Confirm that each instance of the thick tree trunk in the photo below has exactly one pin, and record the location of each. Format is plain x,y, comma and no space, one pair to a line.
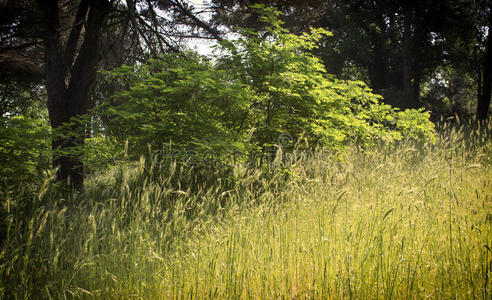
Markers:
69,84
485,91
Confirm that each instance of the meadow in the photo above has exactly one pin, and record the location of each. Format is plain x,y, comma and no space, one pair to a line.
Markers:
406,221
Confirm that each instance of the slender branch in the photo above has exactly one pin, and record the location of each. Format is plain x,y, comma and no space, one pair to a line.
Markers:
19,47
158,36
198,22
133,20
155,23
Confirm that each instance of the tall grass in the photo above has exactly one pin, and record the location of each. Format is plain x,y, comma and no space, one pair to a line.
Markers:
406,221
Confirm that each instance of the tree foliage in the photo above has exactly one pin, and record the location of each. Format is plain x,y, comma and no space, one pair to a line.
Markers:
263,85
398,48
175,99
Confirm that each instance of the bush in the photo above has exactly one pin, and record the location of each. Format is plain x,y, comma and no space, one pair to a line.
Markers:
257,90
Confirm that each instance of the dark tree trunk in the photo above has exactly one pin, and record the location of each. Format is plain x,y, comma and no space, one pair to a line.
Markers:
378,68
416,87
407,66
485,91
69,84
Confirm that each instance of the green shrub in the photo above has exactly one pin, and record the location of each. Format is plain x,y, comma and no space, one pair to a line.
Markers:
257,90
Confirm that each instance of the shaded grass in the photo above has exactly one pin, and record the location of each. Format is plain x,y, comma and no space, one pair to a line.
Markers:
409,221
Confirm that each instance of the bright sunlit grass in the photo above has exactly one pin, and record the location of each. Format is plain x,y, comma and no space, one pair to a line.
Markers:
413,221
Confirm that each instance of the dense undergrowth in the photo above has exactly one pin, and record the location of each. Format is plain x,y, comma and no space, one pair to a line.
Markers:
406,221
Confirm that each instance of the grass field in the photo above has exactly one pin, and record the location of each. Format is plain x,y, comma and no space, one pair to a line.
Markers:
405,222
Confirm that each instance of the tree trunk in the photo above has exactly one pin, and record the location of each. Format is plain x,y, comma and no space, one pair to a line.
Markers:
416,86
407,67
378,68
69,84
486,89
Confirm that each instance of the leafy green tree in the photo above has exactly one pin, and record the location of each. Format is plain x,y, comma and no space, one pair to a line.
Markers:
257,90
295,94
183,100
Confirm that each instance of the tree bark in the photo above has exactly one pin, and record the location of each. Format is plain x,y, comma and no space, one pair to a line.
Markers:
69,87
485,91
